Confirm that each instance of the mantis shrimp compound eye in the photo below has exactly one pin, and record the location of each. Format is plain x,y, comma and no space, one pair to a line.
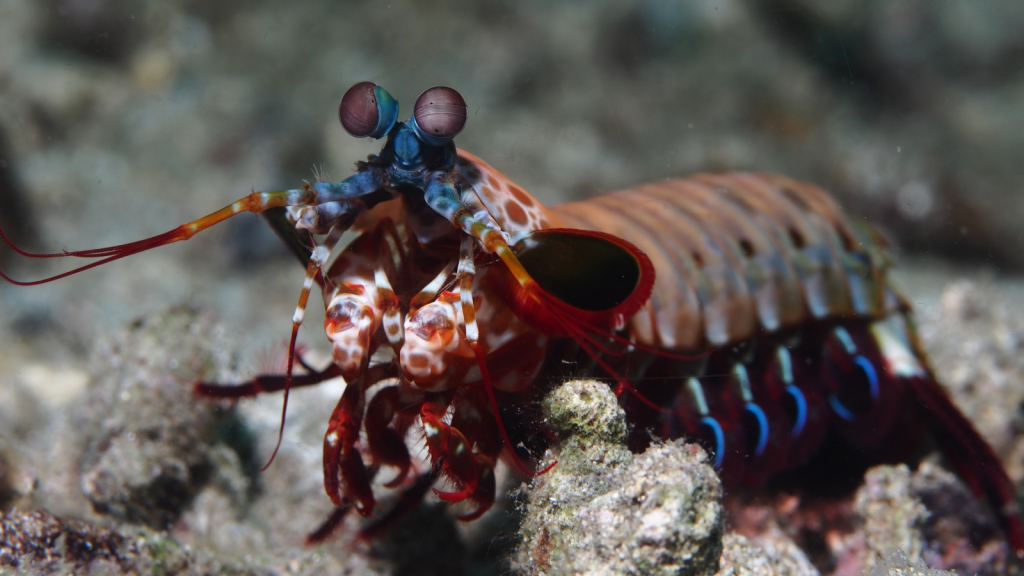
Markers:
439,115
367,110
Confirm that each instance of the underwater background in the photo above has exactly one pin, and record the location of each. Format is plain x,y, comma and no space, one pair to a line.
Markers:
120,119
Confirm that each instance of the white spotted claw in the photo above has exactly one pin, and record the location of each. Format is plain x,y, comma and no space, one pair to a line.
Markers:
431,335
350,324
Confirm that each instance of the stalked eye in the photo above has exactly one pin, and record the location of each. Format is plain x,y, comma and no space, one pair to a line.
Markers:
367,110
439,115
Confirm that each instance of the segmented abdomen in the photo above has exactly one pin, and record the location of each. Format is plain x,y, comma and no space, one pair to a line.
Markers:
739,253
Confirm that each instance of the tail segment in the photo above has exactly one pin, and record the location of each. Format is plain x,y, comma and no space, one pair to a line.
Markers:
974,459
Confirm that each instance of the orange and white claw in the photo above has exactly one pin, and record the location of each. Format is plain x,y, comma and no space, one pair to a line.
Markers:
431,337
350,324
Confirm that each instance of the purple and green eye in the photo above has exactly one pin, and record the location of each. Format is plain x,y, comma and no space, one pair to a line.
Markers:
368,110
439,115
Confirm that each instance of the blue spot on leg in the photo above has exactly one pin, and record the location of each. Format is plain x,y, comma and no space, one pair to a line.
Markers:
762,422
873,386
839,409
716,428
801,410
869,371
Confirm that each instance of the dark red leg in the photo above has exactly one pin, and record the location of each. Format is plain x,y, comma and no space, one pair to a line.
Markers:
483,495
449,449
794,384
346,478
408,500
267,382
385,434
473,417
864,396
328,526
